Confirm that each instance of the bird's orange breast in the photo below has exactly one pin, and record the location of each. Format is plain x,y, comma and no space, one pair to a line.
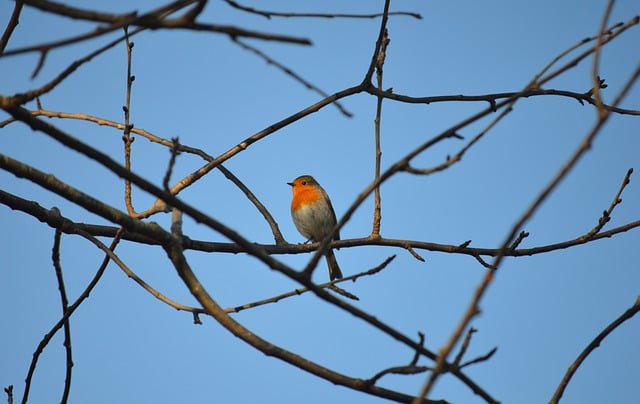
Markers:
303,195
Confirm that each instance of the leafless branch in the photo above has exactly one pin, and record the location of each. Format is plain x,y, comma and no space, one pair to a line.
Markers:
632,311
11,26
55,257
479,359
126,137
377,209
269,14
9,391
156,19
606,215
410,369
65,318
174,251
290,73
175,150
473,308
464,347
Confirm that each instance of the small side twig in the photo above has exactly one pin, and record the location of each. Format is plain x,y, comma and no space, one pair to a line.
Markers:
482,261
297,292
465,346
175,151
606,215
9,391
410,369
463,349
523,234
343,292
414,253
479,359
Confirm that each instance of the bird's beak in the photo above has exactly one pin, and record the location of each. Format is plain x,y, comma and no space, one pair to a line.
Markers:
290,183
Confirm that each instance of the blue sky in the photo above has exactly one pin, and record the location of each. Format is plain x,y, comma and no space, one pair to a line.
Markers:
540,312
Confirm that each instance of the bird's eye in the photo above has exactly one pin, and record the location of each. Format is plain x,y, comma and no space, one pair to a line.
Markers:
304,182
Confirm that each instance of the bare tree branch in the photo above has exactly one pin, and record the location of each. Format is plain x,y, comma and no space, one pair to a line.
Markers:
473,308
155,20
55,257
269,14
632,311
11,25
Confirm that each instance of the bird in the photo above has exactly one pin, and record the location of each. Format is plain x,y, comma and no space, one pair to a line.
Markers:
314,216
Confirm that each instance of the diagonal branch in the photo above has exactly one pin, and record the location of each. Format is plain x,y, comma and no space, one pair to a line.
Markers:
290,73
175,253
473,307
11,25
632,311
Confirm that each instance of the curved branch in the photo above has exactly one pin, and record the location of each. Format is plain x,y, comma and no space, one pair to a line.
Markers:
156,20
55,257
174,251
65,318
632,311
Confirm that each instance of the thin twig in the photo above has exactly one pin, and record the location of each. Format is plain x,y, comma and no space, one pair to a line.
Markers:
9,391
175,150
71,309
523,234
595,68
464,347
297,292
126,137
11,25
479,359
410,369
55,257
246,143
377,210
606,215
269,14
290,73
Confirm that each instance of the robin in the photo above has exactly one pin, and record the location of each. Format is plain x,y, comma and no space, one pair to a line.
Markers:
314,216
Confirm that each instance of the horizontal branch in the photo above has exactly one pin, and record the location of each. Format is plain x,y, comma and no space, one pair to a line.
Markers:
44,215
493,97
269,14
154,20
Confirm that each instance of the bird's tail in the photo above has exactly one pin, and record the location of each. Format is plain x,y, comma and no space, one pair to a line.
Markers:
334,269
